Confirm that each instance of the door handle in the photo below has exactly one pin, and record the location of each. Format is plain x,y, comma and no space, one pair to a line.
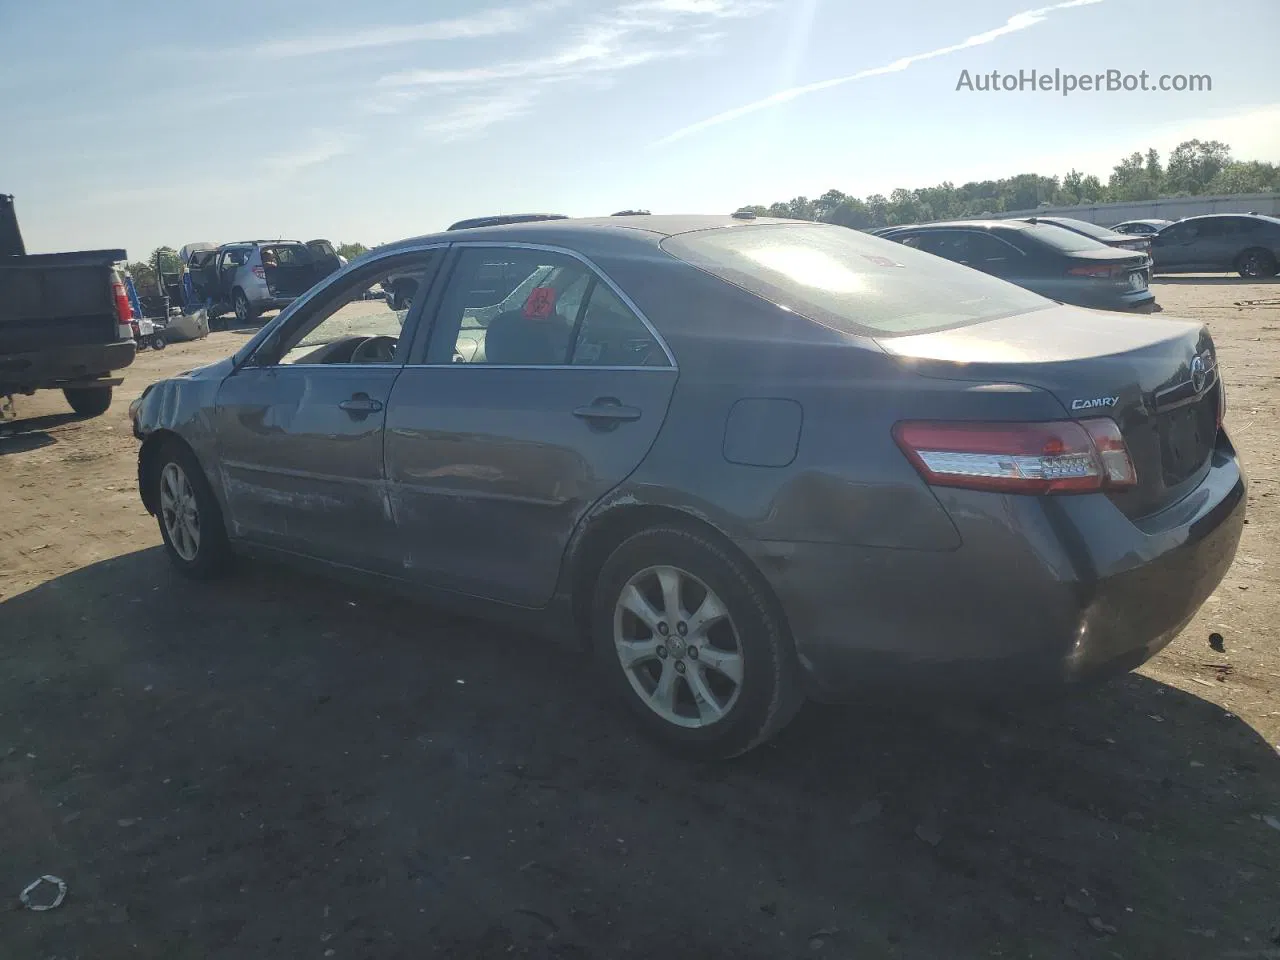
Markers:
607,408
361,403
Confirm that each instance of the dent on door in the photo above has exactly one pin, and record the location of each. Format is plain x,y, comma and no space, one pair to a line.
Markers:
301,457
490,470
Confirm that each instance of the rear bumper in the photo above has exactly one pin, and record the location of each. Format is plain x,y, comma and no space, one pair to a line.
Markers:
45,369
1136,301
1044,591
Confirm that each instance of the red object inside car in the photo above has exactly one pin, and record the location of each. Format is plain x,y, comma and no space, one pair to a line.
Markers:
541,303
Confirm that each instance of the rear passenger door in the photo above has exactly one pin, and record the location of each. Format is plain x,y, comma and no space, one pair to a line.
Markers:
515,417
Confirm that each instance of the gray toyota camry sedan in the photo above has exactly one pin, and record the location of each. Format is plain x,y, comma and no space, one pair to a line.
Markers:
745,461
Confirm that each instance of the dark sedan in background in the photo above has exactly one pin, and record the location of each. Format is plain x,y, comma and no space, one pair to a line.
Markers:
1054,262
1112,238
1141,228
744,461
1248,244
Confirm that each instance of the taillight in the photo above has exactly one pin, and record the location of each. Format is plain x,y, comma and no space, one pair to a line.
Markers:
124,312
125,329
1062,456
260,273
1099,273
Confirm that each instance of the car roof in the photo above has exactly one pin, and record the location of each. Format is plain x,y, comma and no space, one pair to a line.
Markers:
1219,216
970,224
576,232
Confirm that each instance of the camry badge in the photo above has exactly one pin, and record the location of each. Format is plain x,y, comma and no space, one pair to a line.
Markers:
1094,403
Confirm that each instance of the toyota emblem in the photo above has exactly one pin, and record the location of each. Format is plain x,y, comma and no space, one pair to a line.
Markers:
1199,374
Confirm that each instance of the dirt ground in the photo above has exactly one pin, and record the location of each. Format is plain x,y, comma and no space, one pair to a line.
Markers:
275,766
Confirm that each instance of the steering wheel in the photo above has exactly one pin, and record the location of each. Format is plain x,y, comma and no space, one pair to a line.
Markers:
375,350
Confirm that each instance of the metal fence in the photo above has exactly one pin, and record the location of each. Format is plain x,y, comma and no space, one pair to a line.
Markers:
1171,208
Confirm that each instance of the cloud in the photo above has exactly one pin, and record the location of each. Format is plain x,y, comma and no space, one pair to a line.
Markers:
1016,23
322,148
476,114
599,49
487,23
628,36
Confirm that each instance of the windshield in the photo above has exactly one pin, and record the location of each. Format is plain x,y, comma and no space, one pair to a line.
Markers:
850,281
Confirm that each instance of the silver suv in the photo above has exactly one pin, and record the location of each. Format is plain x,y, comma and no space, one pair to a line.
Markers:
252,276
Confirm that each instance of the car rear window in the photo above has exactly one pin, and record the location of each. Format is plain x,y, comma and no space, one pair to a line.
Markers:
1062,239
1083,226
849,281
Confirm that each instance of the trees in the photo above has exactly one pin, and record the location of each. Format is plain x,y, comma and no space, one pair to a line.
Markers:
1194,167
351,250
1194,164
145,273
1253,176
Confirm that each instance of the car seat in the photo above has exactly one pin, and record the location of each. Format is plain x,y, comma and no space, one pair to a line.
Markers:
515,339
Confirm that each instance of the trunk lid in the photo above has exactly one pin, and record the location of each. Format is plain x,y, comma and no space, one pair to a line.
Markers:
1125,272
291,269
1157,378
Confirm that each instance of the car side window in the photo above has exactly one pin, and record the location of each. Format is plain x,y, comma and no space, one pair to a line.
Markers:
1245,225
986,252
1212,228
531,325
611,335
942,243
356,322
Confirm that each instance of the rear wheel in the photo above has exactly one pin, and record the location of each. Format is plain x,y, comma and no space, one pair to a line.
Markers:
88,401
691,641
245,313
190,519
1256,264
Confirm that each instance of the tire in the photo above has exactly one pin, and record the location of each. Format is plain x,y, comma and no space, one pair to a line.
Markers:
245,312
745,713
1256,264
89,401
200,552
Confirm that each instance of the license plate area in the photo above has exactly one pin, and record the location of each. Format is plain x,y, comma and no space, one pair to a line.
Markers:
1186,439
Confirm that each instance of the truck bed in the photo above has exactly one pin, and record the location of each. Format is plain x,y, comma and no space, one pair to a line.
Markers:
55,300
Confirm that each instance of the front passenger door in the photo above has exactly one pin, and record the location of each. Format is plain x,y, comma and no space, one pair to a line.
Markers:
1174,249
299,425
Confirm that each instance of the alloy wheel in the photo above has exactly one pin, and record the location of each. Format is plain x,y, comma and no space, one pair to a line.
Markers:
678,646
179,512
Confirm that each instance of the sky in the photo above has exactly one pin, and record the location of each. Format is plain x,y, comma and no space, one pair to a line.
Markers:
146,123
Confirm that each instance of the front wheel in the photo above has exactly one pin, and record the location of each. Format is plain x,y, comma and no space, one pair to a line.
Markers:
88,401
1257,264
689,637
190,519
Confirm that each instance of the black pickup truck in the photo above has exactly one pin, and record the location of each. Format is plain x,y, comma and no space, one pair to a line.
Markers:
64,321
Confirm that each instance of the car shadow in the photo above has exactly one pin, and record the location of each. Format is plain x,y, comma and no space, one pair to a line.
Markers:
22,435
1200,280
275,758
